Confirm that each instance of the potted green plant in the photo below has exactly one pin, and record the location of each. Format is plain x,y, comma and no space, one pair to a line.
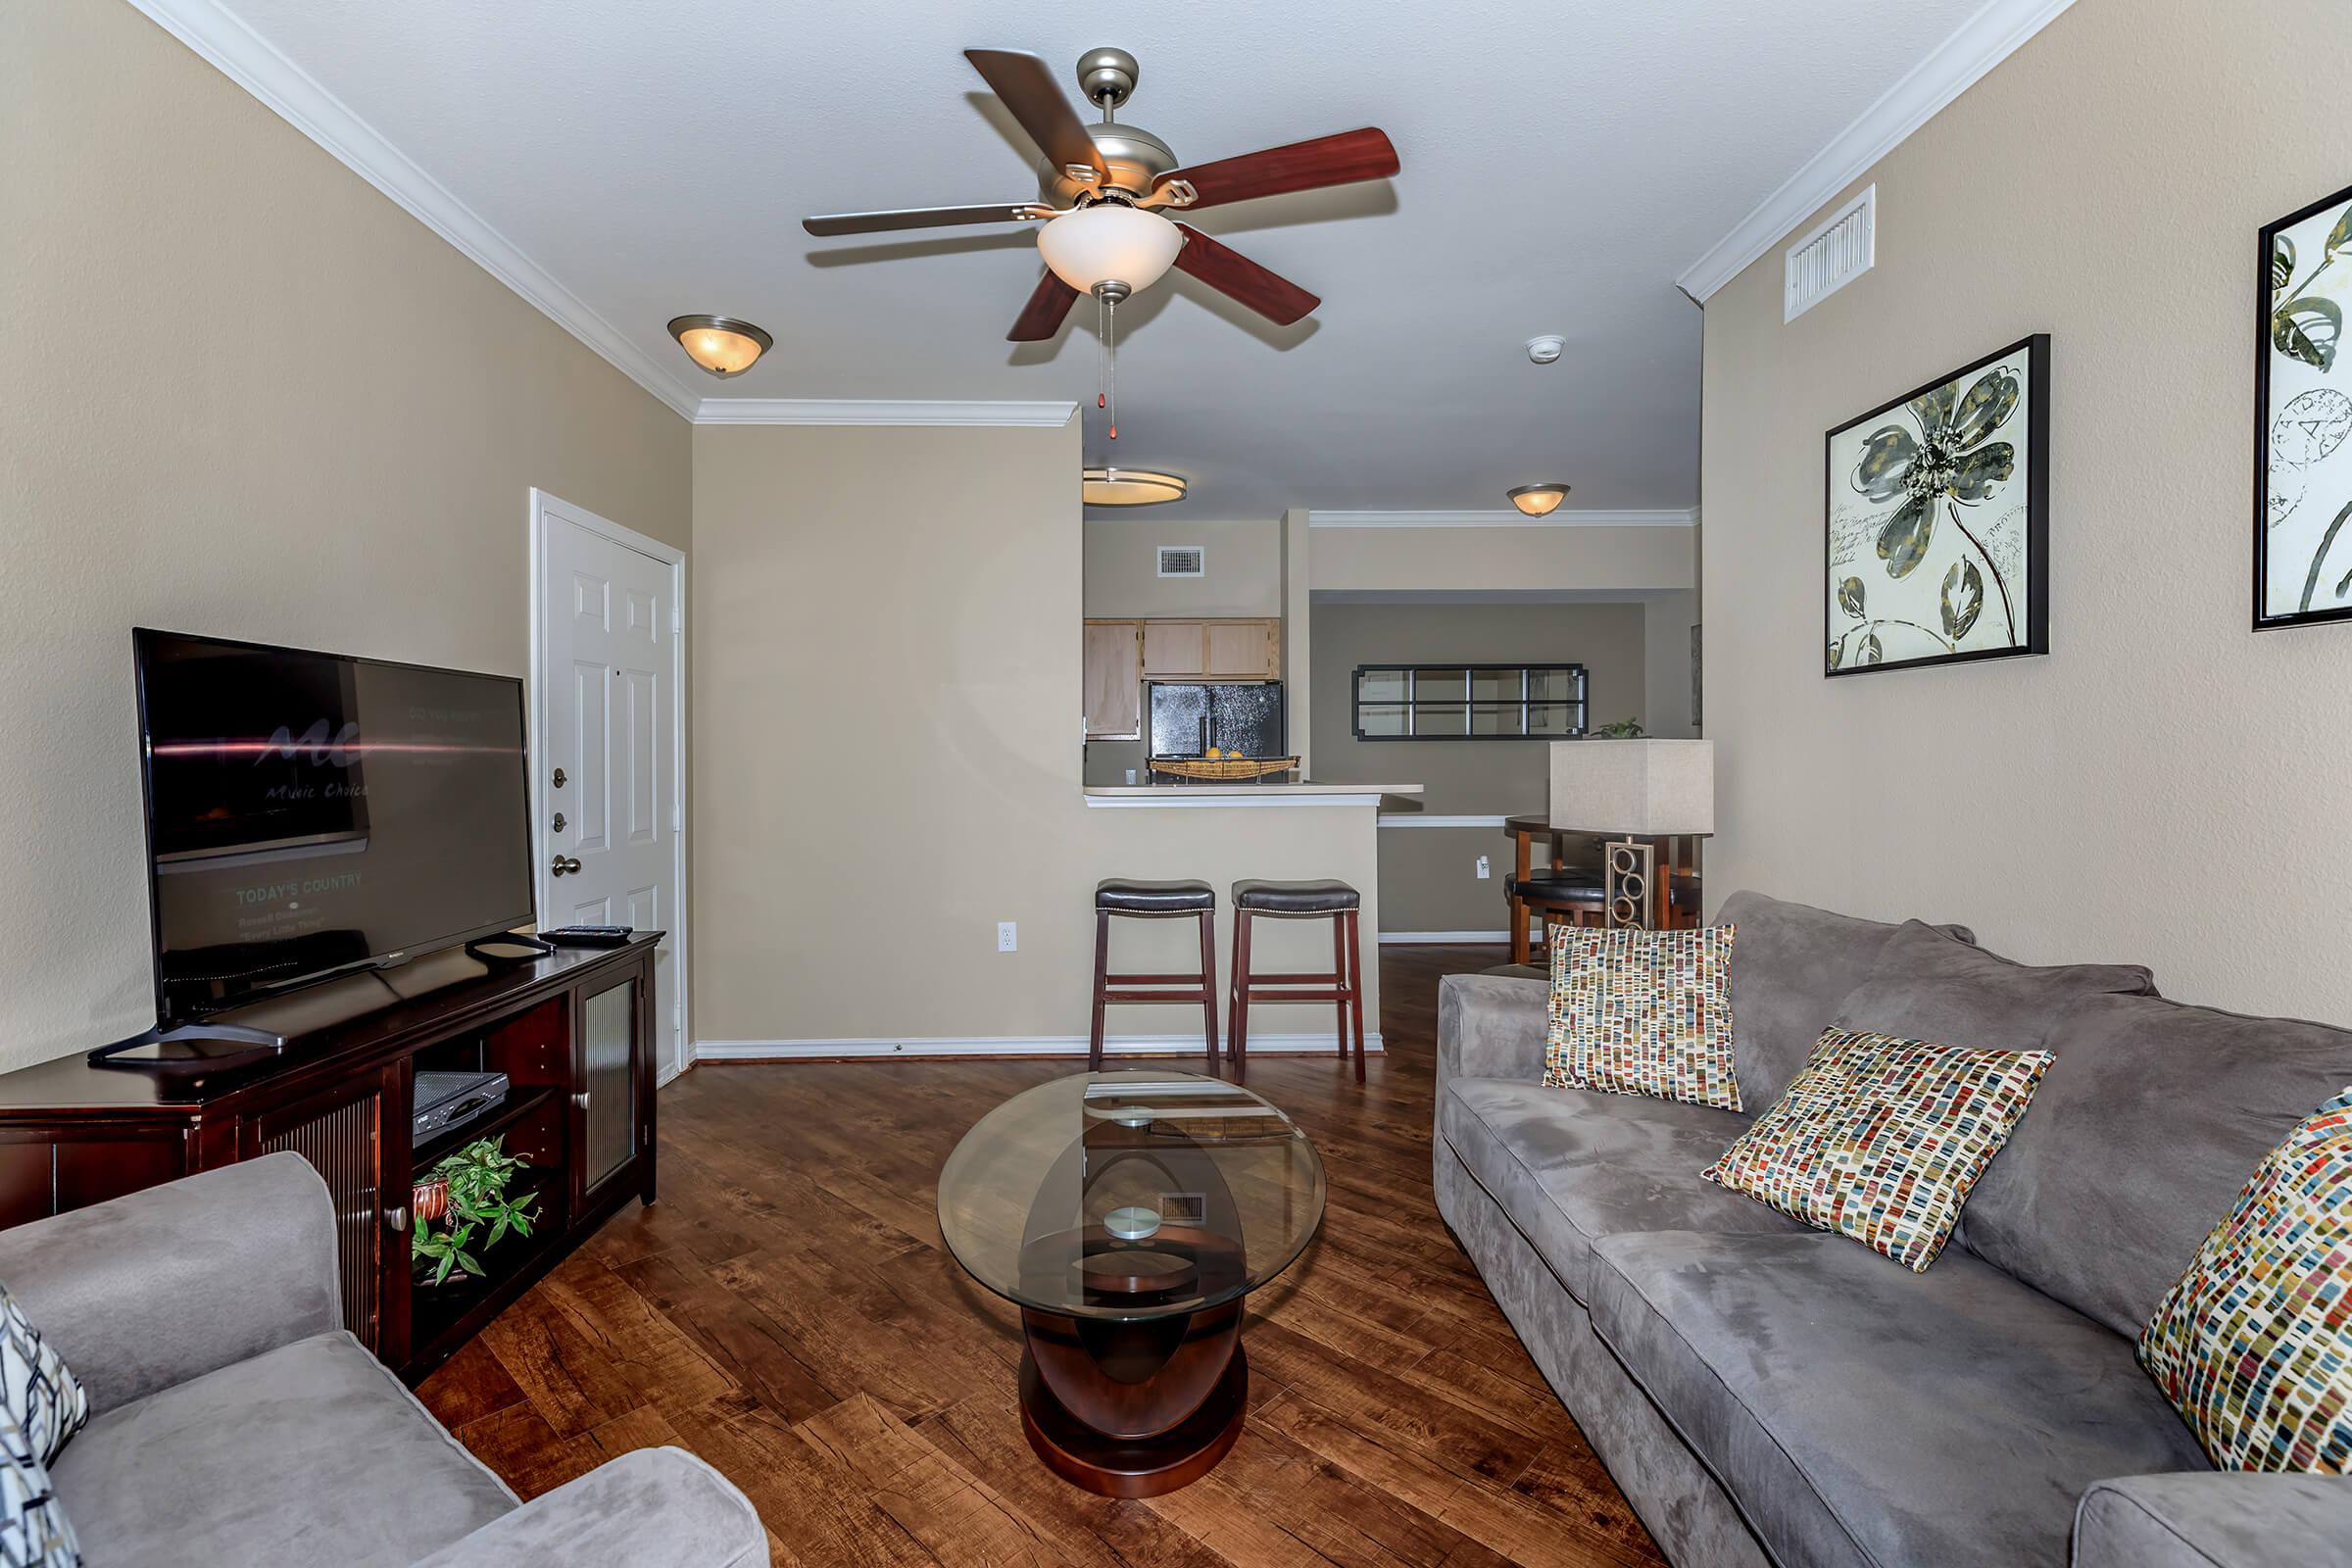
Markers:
1625,729
475,1180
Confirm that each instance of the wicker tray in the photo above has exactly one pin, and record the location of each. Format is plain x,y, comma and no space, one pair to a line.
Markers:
1223,770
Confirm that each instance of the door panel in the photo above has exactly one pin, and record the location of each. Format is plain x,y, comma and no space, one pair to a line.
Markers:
613,729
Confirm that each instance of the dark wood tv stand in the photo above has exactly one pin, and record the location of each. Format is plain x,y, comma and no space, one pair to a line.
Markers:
572,1031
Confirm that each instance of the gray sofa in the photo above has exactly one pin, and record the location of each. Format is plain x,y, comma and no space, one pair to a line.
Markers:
234,1421
1769,1394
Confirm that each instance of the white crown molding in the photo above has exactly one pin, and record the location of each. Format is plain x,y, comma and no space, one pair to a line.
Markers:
881,410
1260,1045
243,56
1506,517
1981,42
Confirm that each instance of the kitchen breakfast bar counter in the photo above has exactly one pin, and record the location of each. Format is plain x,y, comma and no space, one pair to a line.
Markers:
1383,797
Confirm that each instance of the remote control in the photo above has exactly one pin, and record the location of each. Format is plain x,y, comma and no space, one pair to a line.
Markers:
588,936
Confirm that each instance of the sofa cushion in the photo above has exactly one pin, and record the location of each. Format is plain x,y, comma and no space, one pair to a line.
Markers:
1928,985
1865,1415
1880,1138
312,1454
2145,1129
2252,1344
1642,1012
1792,966
1570,1166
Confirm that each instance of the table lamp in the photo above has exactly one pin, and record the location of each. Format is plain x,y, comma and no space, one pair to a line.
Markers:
1633,794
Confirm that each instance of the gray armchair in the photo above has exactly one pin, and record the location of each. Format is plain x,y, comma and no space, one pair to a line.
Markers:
233,1420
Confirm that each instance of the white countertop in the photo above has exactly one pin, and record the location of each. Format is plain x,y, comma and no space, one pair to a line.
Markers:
1246,794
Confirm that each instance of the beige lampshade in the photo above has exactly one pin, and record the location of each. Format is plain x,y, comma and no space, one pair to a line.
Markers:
1645,788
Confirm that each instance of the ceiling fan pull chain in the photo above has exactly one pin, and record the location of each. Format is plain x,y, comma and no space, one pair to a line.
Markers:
1110,366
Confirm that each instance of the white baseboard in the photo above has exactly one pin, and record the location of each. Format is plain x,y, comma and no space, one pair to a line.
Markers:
1010,1045
1495,939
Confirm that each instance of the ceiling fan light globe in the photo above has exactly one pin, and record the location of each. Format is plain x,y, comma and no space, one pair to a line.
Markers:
1110,242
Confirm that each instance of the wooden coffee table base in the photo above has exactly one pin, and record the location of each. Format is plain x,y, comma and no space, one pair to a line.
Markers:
1134,1411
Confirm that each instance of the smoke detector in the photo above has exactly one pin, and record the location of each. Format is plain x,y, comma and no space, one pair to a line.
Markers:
1545,349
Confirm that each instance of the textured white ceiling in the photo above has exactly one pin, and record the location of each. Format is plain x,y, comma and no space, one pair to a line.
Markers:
1562,162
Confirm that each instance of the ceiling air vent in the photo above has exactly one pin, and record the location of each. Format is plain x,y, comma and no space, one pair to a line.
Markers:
1833,256
1183,560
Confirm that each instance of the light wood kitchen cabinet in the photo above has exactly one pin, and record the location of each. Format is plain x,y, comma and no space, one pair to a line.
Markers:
1212,650
1115,680
1244,650
1174,650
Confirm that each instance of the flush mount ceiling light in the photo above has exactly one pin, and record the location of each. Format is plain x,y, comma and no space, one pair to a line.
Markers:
1538,500
720,344
1131,487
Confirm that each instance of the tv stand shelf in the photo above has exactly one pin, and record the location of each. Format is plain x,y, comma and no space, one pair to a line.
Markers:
572,1031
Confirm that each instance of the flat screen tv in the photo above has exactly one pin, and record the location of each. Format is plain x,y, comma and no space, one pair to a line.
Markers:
312,813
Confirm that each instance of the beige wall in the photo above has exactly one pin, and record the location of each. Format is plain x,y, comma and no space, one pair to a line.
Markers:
2164,785
246,395
1243,559
887,763
1630,560
1666,622
1428,875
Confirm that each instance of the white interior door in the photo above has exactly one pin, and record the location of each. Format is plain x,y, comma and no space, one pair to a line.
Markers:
606,789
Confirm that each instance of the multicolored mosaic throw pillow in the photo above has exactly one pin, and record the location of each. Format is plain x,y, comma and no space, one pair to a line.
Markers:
38,1393
1880,1137
2253,1346
1642,1012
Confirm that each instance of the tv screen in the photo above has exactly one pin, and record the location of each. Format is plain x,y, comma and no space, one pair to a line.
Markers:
309,813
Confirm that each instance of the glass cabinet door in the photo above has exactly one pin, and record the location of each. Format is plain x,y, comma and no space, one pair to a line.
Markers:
608,1096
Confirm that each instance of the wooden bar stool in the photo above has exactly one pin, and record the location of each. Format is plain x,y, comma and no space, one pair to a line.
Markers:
1334,902
1155,900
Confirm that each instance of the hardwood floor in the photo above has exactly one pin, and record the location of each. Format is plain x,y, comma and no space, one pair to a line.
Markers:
787,1311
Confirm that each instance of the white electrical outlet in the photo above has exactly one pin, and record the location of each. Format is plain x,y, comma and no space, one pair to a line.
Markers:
1485,871
1009,937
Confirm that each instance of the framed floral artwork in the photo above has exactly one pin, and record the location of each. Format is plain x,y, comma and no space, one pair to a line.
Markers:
2302,415
1938,520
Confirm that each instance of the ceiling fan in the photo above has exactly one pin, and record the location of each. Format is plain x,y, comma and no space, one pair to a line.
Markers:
1107,189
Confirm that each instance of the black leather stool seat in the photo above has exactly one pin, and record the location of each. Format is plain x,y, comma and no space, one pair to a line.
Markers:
1127,896
1326,897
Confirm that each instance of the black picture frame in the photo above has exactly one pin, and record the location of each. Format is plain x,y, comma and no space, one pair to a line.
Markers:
2265,239
2036,636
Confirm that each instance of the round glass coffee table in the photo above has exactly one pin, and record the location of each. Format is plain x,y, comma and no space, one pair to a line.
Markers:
1127,1214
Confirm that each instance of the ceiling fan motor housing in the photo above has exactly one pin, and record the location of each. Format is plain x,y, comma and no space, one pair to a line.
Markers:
1136,158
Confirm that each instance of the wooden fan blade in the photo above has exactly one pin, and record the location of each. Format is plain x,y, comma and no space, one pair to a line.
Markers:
1230,273
916,217
1026,85
1339,160
1042,316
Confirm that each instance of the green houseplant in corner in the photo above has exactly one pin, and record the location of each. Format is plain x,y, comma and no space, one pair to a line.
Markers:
1625,729
472,1195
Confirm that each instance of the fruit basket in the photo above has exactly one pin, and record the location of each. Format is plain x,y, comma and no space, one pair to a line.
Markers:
1223,770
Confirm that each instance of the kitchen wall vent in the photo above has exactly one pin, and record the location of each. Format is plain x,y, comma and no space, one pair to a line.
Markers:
1840,250
1183,560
